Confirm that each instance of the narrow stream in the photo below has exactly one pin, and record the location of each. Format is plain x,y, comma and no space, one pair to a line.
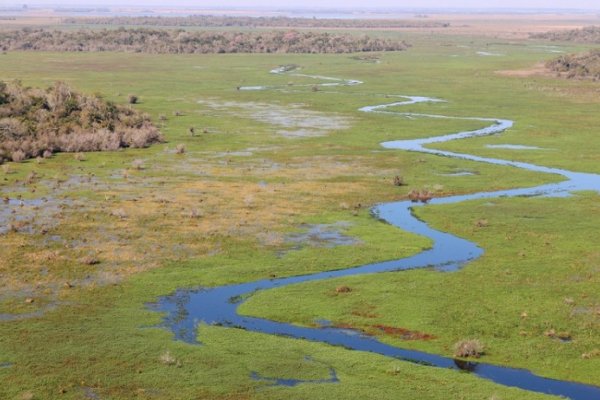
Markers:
187,308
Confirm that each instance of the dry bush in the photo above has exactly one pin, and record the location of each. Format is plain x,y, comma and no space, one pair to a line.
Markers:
119,213
132,99
577,66
252,22
420,195
89,260
18,156
160,41
168,359
592,354
469,348
137,164
194,213
343,289
180,149
399,181
35,122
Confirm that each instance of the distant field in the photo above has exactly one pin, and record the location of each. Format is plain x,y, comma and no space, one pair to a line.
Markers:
94,240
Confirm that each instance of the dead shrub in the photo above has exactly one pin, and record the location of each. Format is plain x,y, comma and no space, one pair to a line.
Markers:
343,289
592,354
194,213
137,164
119,213
399,181
132,99
180,149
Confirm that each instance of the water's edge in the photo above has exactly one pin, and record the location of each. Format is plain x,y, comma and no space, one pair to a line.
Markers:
187,308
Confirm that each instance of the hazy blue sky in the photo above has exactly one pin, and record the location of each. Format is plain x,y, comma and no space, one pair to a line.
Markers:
545,4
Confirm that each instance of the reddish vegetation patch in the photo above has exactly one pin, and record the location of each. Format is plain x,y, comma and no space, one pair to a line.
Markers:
397,332
403,333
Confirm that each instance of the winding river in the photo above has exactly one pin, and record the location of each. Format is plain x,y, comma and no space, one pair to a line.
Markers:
187,308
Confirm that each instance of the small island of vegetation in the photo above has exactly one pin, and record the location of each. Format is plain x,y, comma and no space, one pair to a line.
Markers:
36,122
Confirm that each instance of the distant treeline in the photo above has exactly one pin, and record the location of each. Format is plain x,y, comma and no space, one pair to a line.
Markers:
270,22
589,34
142,40
36,122
577,66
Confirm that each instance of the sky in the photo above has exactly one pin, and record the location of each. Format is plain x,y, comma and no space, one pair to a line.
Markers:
397,4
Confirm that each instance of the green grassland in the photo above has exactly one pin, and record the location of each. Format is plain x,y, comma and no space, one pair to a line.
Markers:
221,213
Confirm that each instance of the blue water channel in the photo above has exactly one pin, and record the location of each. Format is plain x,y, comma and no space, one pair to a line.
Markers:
187,308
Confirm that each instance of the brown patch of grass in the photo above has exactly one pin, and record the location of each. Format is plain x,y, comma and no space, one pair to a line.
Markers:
592,354
538,69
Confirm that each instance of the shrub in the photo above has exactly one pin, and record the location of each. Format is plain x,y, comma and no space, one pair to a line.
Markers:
36,122
132,99
194,213
180,149
398,181
89,260
195,42
343,289
167,359
468,348
119,213
18,156
137,164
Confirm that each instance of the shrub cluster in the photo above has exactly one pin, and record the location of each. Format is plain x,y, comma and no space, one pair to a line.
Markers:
36,122
588,34
577,66
141,40
273,22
